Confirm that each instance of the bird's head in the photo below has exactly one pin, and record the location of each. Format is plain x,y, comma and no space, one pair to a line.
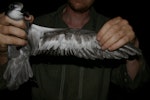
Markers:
15,11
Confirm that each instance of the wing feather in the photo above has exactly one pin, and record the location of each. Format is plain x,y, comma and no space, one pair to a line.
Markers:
75,42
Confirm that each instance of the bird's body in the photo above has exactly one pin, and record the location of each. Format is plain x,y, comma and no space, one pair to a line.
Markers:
56,41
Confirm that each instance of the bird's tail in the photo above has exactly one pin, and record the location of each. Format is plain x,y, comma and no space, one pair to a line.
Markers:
18,69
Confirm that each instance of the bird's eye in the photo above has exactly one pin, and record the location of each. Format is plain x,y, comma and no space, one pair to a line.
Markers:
11,7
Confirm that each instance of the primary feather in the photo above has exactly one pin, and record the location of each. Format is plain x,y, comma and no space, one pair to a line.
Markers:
76,42
55,41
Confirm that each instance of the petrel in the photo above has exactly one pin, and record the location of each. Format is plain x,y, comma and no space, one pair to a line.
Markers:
55,41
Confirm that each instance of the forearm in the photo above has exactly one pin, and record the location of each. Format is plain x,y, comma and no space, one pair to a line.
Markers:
133,67
138,72
132,74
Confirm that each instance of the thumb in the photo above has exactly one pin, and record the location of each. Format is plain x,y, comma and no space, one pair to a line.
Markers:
28,17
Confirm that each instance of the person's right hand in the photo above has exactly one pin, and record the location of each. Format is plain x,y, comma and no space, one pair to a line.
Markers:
12,32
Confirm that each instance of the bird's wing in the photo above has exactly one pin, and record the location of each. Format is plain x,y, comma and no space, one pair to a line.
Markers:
54,41
66,41
76,42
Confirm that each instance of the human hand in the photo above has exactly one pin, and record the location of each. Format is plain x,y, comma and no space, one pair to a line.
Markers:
115,33
12,32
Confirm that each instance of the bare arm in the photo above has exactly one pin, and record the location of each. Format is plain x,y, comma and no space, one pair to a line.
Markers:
133,66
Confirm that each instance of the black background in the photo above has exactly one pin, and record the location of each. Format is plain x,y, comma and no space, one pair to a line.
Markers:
136,12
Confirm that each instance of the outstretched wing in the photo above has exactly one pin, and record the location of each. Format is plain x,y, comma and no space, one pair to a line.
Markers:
67,41
75,42
54,41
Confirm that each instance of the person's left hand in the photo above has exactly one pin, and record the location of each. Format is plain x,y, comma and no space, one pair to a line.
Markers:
115,33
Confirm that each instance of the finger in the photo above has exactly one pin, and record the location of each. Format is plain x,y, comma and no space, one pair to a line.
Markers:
127,37
117,31
3,48
29,18
18,23
15,31
113,31
5,20
114,34
107,26
113,39
119,43
12,40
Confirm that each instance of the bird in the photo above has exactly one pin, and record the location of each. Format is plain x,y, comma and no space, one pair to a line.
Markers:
43,40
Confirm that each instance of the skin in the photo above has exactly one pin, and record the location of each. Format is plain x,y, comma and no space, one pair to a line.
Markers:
114,34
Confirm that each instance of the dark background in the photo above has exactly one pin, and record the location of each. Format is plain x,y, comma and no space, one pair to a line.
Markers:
136,12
